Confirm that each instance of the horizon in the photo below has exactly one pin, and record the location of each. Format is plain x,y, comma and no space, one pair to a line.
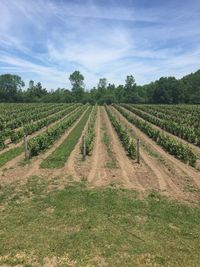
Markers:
46,41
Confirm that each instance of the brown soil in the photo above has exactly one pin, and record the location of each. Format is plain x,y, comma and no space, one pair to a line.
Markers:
178,176
195,149
12,171
11,145
124,172
93,169
8,141
110,165
70,167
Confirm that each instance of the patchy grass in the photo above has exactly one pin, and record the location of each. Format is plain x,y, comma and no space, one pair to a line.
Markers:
112,163
78,226
10,154
59,157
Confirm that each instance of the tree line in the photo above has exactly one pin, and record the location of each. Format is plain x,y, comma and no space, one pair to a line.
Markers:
166,90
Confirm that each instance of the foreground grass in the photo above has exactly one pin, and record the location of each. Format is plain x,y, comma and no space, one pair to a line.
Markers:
59,157
77,226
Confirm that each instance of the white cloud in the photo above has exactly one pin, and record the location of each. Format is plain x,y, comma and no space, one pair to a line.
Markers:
47,40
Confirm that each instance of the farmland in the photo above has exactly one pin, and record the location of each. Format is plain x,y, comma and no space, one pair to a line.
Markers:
87,156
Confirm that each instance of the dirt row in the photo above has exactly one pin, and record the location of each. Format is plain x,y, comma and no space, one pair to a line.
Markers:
12,145
109,164
8,141
179,179
195,149
16,170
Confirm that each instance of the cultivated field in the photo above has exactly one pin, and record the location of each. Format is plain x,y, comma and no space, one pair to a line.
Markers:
122,212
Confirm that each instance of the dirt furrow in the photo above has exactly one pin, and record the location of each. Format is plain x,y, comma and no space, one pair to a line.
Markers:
166,178
162,177
15,171
95,152
8,141
185,169
128,168
194,148
93,169
100,168
37,133
70,165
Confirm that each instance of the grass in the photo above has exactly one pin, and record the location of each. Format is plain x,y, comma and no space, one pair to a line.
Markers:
78,226
59,157
112,163
10,154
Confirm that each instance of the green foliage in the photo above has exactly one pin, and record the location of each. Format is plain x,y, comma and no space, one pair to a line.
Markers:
58,158
167,90
123,135
2,140
175,148
90,134
9,87
183,121
76,79
30,128
46,139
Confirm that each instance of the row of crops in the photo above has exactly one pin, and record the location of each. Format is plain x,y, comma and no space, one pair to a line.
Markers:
176,148
47,137
31,121
123,135
182,121
84,116
55,119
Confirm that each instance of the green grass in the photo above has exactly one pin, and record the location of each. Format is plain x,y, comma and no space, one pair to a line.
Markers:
59,157
10,154
112,163
78,226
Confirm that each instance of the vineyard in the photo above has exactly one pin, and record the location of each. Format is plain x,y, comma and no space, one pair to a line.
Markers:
84,158
66,139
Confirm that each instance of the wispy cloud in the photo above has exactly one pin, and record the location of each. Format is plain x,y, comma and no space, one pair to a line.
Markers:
46,40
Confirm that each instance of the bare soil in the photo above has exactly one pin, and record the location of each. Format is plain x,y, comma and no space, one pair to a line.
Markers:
109,165
12,145
13,170
195,149
179,179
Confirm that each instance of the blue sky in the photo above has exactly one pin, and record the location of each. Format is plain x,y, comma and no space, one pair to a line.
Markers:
46,40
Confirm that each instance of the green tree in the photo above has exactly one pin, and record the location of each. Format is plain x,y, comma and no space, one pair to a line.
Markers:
130,92
9,87
76,79
168,91
102,84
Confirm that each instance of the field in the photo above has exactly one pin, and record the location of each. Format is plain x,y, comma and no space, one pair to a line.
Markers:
73,194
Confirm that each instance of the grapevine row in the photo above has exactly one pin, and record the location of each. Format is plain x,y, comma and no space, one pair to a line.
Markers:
127,142
90,134
184,132
33,127
173,147
60,155
6,125
181,115
46,139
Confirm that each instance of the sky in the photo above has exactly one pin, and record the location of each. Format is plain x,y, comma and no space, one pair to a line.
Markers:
46,40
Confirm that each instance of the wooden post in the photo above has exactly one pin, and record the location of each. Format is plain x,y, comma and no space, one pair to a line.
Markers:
26,148
138,151
83,147
47,127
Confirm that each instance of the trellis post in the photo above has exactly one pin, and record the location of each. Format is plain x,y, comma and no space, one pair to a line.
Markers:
83,147
26,148
138,151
